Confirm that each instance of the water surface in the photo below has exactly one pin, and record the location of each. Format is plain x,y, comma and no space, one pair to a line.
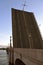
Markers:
3,57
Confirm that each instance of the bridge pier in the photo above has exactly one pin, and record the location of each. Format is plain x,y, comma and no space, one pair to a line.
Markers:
11,56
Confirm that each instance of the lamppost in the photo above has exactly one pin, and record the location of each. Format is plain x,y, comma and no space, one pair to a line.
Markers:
11,53
10,59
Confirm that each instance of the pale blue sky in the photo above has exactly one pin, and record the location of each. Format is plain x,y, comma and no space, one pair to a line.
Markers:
35,6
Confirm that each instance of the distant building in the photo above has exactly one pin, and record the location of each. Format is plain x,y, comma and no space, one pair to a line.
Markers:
25,30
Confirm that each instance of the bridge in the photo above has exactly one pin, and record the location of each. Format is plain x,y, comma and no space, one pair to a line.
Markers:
27,40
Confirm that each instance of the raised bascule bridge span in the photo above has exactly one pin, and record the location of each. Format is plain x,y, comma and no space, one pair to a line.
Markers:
27,40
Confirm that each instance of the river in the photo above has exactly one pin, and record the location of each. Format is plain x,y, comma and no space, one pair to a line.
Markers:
3,57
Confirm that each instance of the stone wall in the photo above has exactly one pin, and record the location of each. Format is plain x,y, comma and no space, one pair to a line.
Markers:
29,56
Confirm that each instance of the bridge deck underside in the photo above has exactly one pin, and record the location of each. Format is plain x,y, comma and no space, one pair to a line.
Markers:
25,30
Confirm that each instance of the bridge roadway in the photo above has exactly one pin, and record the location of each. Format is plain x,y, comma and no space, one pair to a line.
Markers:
20,35
25,30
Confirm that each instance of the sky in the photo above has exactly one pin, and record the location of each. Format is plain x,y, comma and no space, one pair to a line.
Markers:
35,6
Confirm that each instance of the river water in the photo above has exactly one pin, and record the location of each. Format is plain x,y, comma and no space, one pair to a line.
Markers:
3,57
